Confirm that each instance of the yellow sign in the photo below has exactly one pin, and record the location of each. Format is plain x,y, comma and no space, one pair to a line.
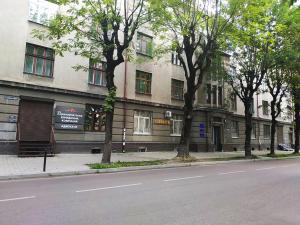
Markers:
161,122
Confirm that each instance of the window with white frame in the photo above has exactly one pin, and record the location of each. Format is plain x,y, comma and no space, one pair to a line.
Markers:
175,59
97,75
234,129
176,124
265,106
142,122
42,11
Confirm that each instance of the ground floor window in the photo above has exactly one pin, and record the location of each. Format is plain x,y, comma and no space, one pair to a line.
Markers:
142,122
176,124
234,129
94,118
267,131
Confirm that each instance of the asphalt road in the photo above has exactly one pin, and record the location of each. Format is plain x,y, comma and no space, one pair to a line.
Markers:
256,193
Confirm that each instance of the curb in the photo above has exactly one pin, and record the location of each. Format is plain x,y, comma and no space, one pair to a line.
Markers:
134,168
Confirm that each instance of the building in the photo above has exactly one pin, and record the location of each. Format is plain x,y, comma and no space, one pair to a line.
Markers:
43,100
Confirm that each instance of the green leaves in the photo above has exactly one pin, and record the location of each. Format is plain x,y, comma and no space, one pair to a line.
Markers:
110,100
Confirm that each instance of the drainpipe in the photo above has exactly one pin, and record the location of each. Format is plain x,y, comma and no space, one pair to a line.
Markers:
124,104
258,122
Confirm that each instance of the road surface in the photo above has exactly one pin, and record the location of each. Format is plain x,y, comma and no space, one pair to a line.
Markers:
240,193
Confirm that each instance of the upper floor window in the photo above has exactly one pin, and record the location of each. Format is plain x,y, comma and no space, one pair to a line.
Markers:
233,101
97,75
220,96
234,129
143,82
94,118
176,124
144,44
177,89
208,93
42,11
39,60
142,122
253,132
265,106
175,59
214,94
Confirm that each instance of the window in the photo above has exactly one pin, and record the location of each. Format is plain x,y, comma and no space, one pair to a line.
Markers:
42,11
233,100
39,60
142,122
253,132
234,129
265,106
94,118
214,94
97,75
177,89
252,107
175,60
143,82
267,132
220,96
176,124
144,44
208,93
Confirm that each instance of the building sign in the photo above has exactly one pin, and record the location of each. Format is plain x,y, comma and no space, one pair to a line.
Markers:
202,130
161,122
12,118
69,118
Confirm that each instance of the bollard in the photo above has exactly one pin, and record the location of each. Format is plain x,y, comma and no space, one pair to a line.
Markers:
45,160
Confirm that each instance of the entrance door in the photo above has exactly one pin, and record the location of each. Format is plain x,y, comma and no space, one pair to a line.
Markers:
279,135
35,118
217,138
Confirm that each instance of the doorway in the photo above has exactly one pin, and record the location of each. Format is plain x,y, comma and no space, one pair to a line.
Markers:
279,135
35,120
217,138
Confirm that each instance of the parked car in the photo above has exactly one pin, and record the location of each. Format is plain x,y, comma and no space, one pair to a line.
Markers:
285,147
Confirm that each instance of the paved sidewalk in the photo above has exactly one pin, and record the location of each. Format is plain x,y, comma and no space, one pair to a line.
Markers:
11,166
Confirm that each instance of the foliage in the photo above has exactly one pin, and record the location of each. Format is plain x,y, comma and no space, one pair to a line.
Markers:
110,100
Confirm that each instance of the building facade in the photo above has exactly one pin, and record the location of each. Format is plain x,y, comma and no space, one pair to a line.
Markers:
44,100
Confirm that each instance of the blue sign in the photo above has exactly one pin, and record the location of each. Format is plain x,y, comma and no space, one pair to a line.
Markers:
202,130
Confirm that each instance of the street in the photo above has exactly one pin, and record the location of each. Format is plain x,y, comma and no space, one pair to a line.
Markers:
237,193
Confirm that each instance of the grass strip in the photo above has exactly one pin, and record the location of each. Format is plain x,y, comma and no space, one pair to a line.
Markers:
282,155
120,164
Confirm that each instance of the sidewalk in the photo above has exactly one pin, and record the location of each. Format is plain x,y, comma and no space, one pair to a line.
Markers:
66,164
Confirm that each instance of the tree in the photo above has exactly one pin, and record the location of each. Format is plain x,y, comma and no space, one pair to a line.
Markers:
292,58
197,30
252,38
276,82
99,31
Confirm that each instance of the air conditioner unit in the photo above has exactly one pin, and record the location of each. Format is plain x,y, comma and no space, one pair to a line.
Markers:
168,114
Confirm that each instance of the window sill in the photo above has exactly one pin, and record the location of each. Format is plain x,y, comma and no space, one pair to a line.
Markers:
140,93
145,55
97,132
175,135
177,99
37,23
36,75
96,85
141,134
235,137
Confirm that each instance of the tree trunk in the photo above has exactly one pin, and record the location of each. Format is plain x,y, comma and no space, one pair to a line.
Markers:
108,137
109,117
273,132
297,127
273,126
183,148
248,129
